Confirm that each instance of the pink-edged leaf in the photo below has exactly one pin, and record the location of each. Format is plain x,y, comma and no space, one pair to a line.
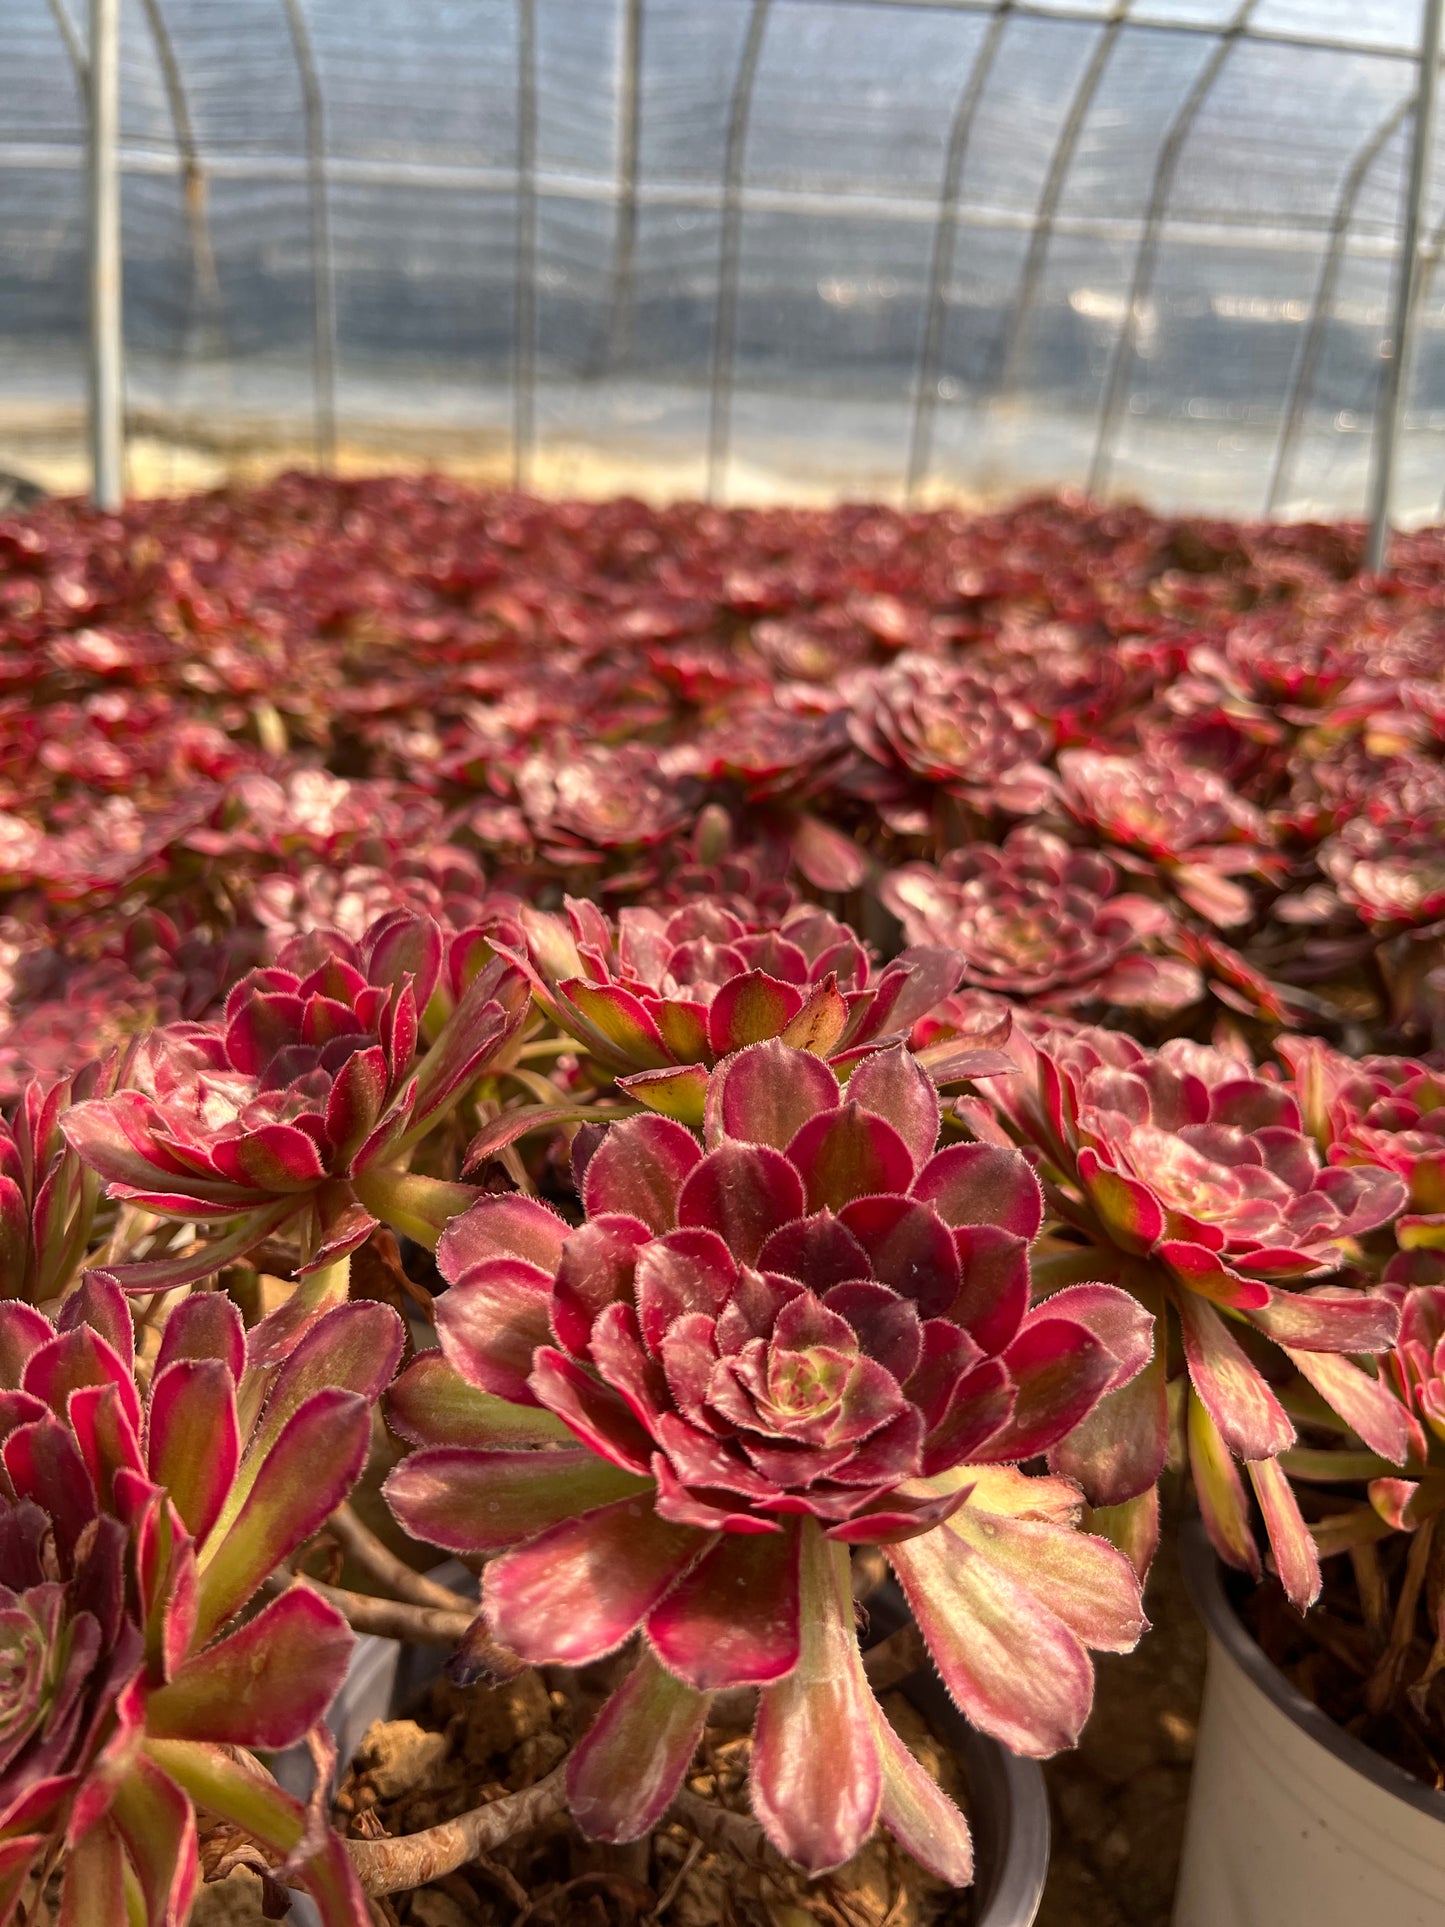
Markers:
205,1325
846,1154
817,1781
766,1094
1205,1274
273,1157
1251,1420
1082,1580
309,1470
977,1410
509,1226
1367,1405
1397,1502
684,1272
407,947
76,1358
678,1092
909,1248
352,1347
615,1020
639,1169
827,858
492,1325
597,1269
106,1438
1132,1528
193,1440
100,1304
357,1098
982,1184
23,1330
1059,1371
17,1856
510,1127
157,1823
266,1685
577,1591
744,1192
625,1772
1295,1556
1013,1667
1118,1450
1330,1320
892,1086
44,1464
821,1022
749,1008
1128,1210
995,1292
592,1411
1223,1502
918,1813
470,1500
1117,1320
733,1620
432,1404
94,1890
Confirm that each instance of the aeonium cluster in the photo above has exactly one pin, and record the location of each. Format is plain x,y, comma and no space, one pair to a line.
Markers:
804,1329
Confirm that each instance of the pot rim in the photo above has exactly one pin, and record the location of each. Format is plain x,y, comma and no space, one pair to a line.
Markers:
1203,1574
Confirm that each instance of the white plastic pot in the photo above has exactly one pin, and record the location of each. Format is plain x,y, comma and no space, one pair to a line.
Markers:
1293,1822
1008,1807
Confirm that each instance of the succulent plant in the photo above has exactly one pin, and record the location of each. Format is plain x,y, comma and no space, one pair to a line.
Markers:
1036,919
1188,1178
293,1110
809,1330
135,1531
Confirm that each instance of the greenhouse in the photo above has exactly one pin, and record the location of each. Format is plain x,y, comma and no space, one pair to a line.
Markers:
722,963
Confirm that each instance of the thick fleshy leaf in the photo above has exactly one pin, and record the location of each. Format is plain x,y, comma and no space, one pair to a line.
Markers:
687,1271
766,1094
821,1022
205,1325
846,1154
1366,1404
994,1295
678,1092
1330,1321
593,1412
909,1248
475,1501
193,1440
1118,1450
918,1813
1082,1580
44,1464
817,1781
625,1772
1223,1503
1015,1669
1205,1274
492,1326
615,1020
266,1685
1117,1320
76,1358
744,1192
432,1404
982,1184
578,1591
508,1226
892,1086
1296,1559
1251,1420
94,1891
23,1330
101,1304
1059,1371
749,1008
597,1269
639,1169
309,1470
733,1620
157,1823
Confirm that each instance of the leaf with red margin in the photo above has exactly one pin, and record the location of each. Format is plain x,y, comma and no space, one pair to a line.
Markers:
733,1620
821,1022
678,1092
44,1464
639,1169
983,1184
750,1008
17,1856
472,1500
76,1358
744,1192
100,1304
614,1019
492,1326
1329,1321
918,1813
1129,1211
577,1591
266,1685
94,1890
1205,1274
1251,1420
910,1249
23,1330
432,1404
1223,1503
307,1473
1296,1559
849,1153
1119,1449
1366,1404
597,1269
193,1441
1060,1371
978,1409
508,1226
624,1773
766,1094
817,1781
1013,1668
891,1085
593,1412
205,1325
1080,1579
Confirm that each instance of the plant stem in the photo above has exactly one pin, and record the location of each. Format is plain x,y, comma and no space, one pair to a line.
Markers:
417,1207
389,1618
379,1562
417,1859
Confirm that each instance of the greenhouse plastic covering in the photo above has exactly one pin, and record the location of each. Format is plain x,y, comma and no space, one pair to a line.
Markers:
904,248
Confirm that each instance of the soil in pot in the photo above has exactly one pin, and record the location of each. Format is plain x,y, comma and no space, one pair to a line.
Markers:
1367,1653
462,1747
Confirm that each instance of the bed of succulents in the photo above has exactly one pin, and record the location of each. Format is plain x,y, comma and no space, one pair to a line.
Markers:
701,1044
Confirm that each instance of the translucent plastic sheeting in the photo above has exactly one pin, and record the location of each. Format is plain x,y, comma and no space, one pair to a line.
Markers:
757,247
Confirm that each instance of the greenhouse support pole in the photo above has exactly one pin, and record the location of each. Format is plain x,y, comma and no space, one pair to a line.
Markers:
107,422
1395,382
